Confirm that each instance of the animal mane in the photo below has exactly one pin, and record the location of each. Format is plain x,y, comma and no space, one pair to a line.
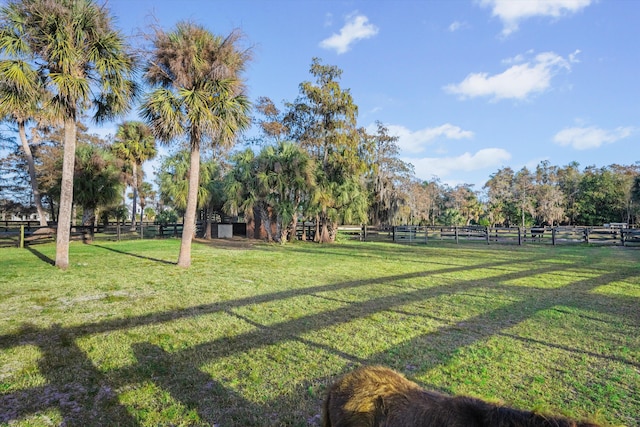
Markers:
379,397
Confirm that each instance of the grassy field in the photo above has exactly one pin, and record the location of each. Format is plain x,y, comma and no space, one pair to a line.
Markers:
252,335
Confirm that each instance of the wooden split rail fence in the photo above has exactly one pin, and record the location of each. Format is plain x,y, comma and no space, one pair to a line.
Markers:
497,235
25,233
29,233
14,233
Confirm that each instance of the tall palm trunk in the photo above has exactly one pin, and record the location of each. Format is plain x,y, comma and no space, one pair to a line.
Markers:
207,223
326,228
266,220
88,223
66,194
188,230
293,228
316,235
134,167
37,198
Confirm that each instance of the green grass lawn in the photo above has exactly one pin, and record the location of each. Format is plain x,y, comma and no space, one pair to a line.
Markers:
252,336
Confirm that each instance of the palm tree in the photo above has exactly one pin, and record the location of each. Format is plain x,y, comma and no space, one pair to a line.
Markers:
97,181
134,144
82,60
270,188
21,97
198,94
147,194
289,181
173,181
242,189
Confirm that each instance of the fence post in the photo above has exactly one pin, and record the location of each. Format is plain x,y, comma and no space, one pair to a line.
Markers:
364,232
586,234
553,236
21,243
519,236
487,234
426,234
622,236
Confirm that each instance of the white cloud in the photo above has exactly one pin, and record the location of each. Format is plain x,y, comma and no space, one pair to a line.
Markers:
443,166
414,141
584,138
573,57
518,59
457,25
517,82
356,28
512,12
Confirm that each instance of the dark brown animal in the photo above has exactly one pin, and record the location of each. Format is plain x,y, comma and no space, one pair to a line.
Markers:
379,397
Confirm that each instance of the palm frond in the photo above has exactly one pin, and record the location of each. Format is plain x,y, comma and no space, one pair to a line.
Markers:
163,111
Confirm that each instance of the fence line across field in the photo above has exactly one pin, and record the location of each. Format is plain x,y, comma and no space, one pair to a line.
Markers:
21,233
501,235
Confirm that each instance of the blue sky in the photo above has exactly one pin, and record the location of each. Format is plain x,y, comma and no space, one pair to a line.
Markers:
468,86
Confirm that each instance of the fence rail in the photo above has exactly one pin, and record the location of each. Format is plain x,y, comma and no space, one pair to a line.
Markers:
561,235
20,233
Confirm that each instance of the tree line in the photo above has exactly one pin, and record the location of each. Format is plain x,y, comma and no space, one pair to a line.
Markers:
310,162
63,62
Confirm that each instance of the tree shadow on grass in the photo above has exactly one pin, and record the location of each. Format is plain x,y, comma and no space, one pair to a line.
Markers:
87,395
40,255
572,350
74,386
189,386
162,261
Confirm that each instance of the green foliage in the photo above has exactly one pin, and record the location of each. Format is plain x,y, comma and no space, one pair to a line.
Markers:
452,217
555,195
167,216
97,178
173,181
601,197
277,184
150,214
484,222
196,87
388,178
134,142
323,120
240,184
119,213
81,58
